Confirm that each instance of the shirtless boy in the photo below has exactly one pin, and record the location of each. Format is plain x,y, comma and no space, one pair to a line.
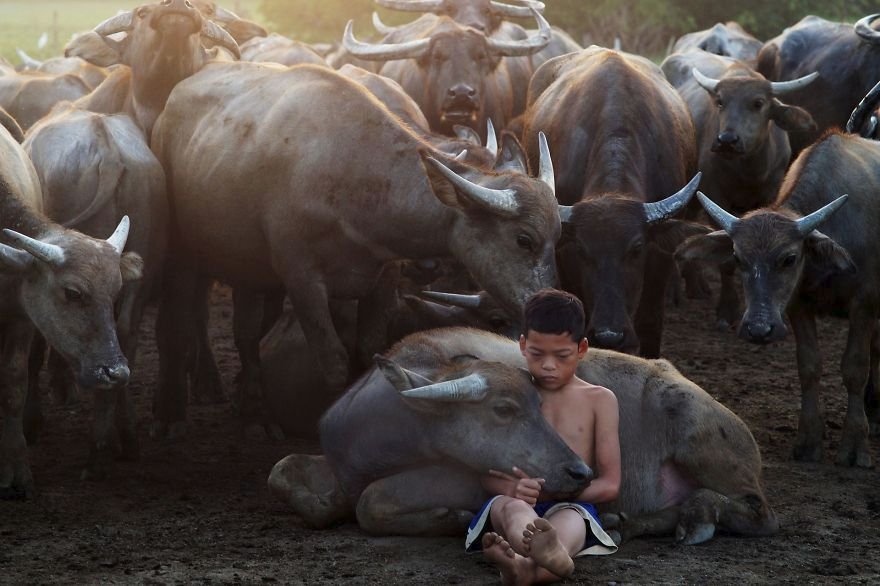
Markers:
533,540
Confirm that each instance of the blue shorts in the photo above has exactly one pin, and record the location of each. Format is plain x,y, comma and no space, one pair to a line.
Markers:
596,542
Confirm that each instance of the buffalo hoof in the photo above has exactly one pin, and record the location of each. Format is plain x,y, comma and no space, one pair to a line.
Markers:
99,465
16,483
308,485
694,534
207,393
807,452
170,432
32,427
873,429
129,447
853,451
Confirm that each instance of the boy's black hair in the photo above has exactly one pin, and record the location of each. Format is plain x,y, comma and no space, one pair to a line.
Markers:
551,311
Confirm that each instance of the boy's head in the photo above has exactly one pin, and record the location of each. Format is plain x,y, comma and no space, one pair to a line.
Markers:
553,340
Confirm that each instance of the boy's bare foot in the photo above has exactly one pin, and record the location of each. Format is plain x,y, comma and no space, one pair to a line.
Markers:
498,551
545,549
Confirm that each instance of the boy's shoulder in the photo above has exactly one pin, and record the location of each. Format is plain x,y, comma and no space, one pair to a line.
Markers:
592,390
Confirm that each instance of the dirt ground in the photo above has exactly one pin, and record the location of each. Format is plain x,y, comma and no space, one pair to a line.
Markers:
198,511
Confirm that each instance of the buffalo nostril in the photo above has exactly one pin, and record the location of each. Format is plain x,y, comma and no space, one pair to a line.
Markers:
116,374
472,92
579,473
451,92
728,137
608,338
759,331
188,4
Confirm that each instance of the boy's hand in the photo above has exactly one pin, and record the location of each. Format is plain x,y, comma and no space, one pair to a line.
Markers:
524,488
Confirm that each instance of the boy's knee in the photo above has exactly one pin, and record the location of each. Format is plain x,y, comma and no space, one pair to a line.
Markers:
509,506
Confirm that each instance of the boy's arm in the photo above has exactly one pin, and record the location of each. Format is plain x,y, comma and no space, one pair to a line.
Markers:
520,486
606,486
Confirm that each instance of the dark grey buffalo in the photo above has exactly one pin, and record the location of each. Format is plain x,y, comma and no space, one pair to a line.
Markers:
405,446
846,57
790,267
64,283
729,39
742,137
298,178
623,141
457,74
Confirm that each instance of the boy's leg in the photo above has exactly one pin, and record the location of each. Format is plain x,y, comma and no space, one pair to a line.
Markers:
553,542
510,516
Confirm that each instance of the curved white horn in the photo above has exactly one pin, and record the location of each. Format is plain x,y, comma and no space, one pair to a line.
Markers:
115,24
380,26
224,16
461,156
708,83
48,253
382,52
545,168
498,199
491,138
864,29
456,299
28,61
809,223
120,235
565,213
780,88
725,220
511,11
660,210
471,388
526,47
219,35
412,5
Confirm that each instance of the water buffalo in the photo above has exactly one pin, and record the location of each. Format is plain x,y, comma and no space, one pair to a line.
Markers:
623,140
729,39
91,74
846,57
64,283
94,169
173,29
863,120
279,49
323,212
457,74
483,15
742,137
240,29
789,266
30,95
405,446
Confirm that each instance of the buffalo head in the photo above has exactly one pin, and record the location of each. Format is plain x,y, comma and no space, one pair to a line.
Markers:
482,15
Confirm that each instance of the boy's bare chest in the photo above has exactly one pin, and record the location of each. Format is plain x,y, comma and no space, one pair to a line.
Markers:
574,424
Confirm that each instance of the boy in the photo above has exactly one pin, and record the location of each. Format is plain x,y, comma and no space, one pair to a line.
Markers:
529,539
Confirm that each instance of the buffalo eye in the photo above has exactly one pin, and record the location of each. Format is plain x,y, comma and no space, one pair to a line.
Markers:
788,261
142,12
636,249
525,242
504,410
720,103
759,103
72,295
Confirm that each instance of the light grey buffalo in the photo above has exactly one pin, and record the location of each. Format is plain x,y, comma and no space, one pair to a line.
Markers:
299,178
729,39
405,446
64,283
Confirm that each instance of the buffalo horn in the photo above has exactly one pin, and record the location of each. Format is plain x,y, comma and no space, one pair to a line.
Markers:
511,11
48,253
456,299
13,257
471,388
545,167
660,210
864,29
499,199
461,156
565,213
708,83
120,235
224,16
382,52
809,223
780,88
863,110
116,24
28,61
380,26
526,47
412,5
725,220
220,36
491,138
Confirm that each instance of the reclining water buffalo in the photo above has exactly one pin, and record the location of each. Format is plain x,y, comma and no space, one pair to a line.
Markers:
742,137
729,39
789,266
847,58
405,446
312,185
62,282
30,95
623,141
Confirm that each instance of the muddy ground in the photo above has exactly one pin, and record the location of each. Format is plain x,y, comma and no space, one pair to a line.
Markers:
198,511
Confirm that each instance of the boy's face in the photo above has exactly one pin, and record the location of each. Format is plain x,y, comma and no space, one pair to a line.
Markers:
552,358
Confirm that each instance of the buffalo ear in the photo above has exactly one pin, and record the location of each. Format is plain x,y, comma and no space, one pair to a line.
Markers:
13,260
399,377
715,247
511,156
668,234
468,134
96,49
791,118
132,266
443,189
828,255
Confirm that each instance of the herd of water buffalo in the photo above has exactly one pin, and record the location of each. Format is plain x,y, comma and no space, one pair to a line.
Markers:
358,194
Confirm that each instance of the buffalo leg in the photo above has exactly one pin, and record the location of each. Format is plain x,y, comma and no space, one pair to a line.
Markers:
649,315
207,387
128,325
729,307
853,449
103,445
872,398
435,500
312,307
811,423
308,485
61,380
33,406
15,473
